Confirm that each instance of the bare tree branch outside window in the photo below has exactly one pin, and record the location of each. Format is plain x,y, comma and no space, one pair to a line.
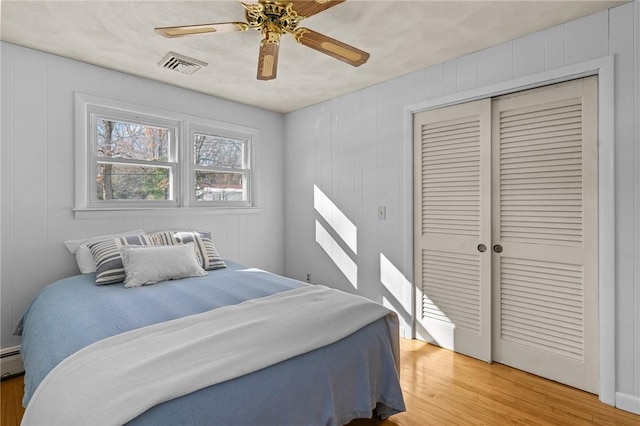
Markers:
133,180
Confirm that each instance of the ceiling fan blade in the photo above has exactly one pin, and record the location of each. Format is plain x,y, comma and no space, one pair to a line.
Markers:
184,30
332,47
308,8
268,60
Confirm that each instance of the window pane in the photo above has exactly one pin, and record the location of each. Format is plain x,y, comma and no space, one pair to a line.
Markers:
213,151
216,186
117,139
130,182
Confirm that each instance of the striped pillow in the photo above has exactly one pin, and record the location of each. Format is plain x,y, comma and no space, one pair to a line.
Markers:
109,267
205,249
168,238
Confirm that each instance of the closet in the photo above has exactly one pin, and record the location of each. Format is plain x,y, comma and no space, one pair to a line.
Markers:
505,230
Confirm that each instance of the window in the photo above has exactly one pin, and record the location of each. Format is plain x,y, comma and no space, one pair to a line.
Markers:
220,168
131,157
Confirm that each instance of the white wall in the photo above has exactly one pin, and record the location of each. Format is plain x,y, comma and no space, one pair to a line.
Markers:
38,181
352,148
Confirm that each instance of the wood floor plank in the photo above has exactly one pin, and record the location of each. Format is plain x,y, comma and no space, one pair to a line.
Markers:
11,391
441,387
434,379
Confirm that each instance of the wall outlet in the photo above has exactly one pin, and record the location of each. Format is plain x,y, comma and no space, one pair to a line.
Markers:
382,212
308,278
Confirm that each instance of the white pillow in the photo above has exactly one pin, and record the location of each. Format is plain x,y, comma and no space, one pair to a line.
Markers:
84,258
152,264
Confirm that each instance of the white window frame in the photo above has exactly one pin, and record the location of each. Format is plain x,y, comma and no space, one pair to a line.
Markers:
96,113
89,108
216,131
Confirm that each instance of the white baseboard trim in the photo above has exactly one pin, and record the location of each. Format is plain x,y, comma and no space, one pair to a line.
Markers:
628,402
10,362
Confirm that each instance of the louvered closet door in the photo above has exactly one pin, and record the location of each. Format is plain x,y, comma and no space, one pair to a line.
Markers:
545,220
451,219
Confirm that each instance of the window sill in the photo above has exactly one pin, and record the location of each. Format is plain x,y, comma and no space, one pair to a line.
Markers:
158,211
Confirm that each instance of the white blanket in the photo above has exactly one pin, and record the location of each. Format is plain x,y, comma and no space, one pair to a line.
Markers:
116,379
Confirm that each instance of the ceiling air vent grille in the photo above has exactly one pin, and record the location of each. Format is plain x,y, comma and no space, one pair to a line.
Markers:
177,62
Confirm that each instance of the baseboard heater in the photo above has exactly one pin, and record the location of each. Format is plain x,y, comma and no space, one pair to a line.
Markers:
11,362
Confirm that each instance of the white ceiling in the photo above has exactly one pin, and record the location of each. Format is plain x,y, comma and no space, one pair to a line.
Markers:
401,36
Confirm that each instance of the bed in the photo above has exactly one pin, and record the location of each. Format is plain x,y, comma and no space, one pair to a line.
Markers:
327,383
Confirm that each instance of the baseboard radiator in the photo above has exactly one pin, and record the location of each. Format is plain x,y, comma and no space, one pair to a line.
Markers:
11,362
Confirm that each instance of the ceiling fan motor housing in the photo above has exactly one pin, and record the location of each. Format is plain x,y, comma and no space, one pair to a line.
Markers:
271,19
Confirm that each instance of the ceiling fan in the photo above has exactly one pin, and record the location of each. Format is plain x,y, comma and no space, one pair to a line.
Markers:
272,19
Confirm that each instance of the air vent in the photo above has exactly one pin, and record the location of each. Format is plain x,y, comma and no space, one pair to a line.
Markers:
177,62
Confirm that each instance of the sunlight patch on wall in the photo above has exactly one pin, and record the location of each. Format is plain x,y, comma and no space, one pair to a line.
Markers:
395,281
340,223
340,257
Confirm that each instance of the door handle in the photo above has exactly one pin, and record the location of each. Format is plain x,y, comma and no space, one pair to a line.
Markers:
497,248
482,248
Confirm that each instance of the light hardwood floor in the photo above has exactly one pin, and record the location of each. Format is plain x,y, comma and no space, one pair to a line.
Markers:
444,388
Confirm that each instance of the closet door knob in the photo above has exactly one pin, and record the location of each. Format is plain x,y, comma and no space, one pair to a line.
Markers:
482,248
497,248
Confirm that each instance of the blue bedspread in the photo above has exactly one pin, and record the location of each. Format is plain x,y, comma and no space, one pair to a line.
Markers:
331,385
